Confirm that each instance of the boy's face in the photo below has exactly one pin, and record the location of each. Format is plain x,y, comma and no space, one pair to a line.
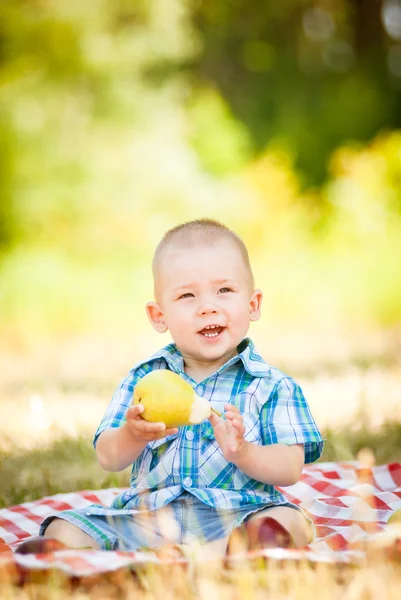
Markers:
205,300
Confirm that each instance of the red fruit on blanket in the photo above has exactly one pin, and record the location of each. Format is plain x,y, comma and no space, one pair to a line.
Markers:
40,545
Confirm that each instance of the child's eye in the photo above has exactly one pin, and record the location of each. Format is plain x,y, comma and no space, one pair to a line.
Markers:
224,290
187,295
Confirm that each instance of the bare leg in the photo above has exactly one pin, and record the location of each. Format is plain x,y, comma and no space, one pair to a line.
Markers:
292,520
69,534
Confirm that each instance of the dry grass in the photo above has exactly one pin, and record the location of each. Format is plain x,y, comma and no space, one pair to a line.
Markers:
376,578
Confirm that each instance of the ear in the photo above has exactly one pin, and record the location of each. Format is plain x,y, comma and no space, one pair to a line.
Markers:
255,303
156,317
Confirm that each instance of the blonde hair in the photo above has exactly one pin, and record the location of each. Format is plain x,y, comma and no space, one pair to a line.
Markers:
200,231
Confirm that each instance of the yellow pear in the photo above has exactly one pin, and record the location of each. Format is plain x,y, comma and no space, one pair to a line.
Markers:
168,398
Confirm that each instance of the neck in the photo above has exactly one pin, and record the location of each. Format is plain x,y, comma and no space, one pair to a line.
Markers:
199,370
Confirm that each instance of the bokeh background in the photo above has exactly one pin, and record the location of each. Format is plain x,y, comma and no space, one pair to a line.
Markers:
121,119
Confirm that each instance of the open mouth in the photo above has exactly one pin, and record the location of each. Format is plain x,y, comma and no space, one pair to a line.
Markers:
211,331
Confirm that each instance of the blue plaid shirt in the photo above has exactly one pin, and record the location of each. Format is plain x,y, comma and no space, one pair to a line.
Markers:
274,411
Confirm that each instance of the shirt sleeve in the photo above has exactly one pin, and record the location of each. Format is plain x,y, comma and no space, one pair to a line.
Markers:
120,402
286,419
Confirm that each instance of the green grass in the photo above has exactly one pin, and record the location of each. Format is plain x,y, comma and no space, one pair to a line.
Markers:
69,464
65,465
346,443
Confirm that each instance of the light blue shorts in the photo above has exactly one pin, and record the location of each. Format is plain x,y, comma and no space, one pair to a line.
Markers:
186,520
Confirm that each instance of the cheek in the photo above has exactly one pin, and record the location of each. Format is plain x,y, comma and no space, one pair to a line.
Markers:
182,333
241,315
240,310
178,319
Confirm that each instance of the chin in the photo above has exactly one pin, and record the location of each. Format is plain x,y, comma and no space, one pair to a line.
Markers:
217,353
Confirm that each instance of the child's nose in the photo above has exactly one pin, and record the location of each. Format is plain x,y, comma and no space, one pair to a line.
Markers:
207,308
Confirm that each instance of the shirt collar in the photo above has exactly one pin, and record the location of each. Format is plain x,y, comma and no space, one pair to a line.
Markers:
252,360
247,353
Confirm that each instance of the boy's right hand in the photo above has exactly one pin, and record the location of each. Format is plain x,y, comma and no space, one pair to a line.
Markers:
143,431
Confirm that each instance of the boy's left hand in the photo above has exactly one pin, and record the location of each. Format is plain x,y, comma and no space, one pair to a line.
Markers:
229,433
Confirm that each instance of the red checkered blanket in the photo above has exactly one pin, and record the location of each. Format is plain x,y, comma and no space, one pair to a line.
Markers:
348,503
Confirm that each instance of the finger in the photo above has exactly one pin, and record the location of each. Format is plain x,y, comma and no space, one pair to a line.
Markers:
238,424
146,427
231,407
171,431
214,419
158,435
236,437
236,431
135,410
231,415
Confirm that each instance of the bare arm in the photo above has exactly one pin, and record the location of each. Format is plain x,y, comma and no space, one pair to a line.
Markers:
275,465
118,447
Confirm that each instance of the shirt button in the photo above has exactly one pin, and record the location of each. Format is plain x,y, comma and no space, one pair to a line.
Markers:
199,390
189,435
187,482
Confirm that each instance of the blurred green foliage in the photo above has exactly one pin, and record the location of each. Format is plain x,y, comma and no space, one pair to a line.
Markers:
311,75
120,119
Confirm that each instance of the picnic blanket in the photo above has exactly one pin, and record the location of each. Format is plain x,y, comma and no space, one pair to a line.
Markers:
349,504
